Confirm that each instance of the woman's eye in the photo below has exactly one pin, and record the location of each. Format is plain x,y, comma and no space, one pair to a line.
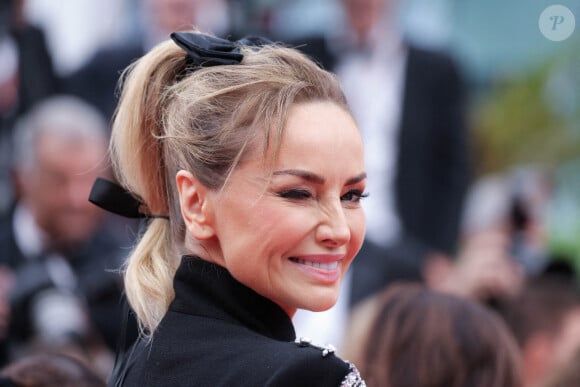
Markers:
354,196
295,194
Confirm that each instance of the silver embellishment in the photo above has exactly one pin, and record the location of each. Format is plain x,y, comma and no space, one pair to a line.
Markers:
328,349
353,378
303,342
306,342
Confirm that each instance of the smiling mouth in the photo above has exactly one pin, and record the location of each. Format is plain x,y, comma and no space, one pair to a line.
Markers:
323,266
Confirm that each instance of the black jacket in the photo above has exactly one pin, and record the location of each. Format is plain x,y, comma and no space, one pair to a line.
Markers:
93,265
218,332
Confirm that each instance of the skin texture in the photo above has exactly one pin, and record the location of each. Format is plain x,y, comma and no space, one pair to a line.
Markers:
267,222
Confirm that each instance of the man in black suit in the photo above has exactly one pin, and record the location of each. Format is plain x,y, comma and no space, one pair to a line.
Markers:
431,172
56,243
410,106
27,77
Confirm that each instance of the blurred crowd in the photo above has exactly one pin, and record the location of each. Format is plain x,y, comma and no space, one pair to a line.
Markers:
459,281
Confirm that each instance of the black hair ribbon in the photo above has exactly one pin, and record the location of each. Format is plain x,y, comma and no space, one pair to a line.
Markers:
114,198
206,50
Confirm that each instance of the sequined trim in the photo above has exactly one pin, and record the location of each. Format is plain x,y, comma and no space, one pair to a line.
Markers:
353,378
306,342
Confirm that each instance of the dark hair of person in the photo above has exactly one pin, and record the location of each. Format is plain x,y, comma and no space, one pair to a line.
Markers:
420,337
49,370
541,306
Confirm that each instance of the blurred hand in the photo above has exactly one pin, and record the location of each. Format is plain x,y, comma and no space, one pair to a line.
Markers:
483,270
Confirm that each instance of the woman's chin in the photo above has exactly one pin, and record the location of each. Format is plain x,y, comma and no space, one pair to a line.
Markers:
322,303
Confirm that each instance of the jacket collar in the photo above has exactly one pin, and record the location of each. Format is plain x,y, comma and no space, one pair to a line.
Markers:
205,289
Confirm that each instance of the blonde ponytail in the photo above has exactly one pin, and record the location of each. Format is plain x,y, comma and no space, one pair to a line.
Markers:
149,276
137,156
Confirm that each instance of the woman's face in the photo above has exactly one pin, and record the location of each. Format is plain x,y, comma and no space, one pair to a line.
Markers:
291,235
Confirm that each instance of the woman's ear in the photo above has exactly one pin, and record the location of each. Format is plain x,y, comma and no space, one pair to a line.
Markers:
195,204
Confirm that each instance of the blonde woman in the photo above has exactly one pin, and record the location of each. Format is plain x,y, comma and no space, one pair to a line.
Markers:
248,164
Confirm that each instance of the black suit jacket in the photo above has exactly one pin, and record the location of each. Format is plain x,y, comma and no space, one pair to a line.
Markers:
97,81
95,266
10,254
218,332
433,163
37,79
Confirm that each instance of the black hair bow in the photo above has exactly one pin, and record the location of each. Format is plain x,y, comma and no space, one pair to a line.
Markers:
206,51
114,198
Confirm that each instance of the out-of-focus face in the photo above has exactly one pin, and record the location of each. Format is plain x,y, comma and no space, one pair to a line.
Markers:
292,235
174,15
362,15
58,187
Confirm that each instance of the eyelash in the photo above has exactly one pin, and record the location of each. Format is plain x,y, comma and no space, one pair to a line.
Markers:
295,194
357,194
300,194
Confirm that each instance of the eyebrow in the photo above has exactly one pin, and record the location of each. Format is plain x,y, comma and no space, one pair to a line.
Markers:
314,178
356,179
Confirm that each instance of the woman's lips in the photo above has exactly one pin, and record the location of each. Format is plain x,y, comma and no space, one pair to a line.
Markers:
325,268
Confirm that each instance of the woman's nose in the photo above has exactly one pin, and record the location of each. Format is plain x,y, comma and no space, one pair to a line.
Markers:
333,229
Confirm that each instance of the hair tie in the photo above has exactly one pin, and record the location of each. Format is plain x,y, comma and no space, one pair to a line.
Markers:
206,51
114,198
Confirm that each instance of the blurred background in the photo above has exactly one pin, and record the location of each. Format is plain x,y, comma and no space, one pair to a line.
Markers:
524,89
521,81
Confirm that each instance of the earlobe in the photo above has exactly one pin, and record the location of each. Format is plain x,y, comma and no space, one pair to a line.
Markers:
195,206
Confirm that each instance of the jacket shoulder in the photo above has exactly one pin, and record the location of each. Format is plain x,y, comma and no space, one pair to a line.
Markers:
311,365
268,364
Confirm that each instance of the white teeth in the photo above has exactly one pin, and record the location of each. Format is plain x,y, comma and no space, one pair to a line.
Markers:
323,266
